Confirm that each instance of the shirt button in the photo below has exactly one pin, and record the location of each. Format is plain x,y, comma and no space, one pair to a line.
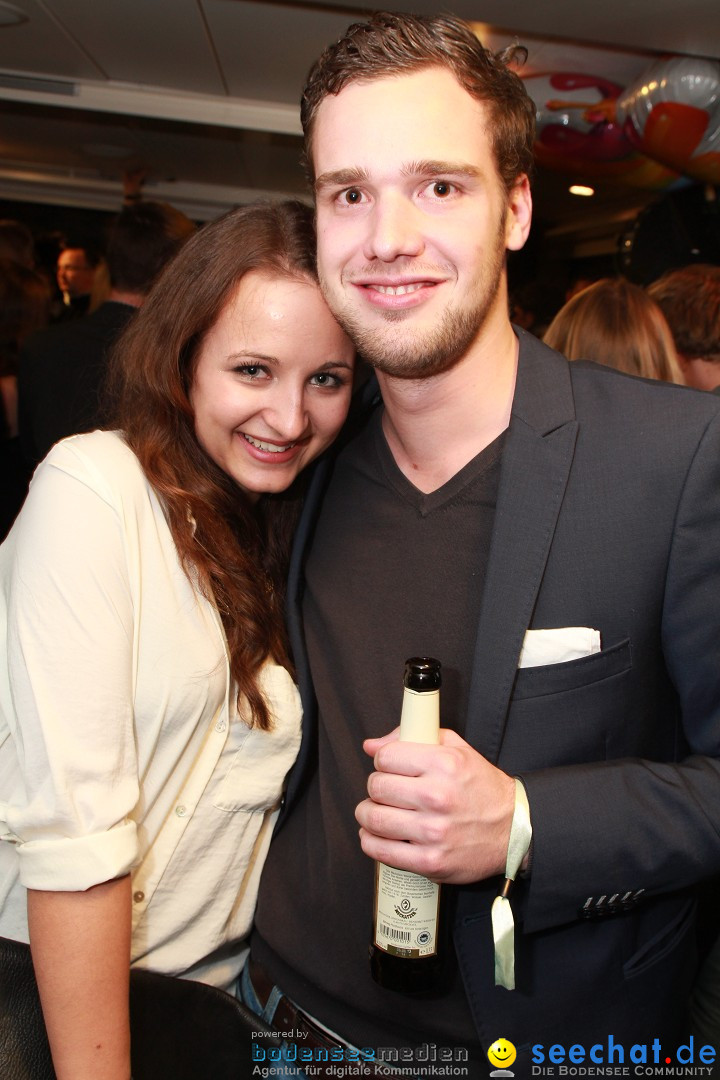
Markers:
181,811
220,726
138,897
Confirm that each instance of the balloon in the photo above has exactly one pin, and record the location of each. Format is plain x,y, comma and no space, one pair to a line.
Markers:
576,118
672,114
578,133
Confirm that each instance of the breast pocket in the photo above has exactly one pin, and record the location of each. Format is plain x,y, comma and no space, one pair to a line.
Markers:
563,714
252,774
573,674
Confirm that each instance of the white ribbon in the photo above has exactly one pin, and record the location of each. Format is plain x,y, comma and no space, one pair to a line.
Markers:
502,917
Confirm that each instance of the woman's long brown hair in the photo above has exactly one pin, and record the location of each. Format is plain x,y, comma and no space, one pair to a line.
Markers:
234,552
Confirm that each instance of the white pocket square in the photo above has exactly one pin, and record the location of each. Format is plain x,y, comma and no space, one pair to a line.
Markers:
542,647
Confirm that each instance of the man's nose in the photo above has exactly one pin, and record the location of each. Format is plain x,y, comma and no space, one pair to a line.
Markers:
394,229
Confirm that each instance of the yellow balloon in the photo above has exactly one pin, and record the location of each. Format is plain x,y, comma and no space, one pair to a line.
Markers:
502,1053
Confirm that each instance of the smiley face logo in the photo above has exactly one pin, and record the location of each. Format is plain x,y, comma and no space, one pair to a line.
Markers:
502,1053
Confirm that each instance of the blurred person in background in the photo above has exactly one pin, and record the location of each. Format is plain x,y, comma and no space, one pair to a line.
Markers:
534,305
24,301
77,263
617,324
690,301
63,368
689,298
24,307
16,243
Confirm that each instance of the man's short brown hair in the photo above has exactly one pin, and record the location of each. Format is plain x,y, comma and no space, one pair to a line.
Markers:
395,43
690,301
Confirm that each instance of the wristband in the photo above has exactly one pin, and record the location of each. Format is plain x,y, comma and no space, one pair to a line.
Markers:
502,917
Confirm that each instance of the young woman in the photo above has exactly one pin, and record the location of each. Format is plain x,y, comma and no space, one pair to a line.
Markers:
617,324
148,718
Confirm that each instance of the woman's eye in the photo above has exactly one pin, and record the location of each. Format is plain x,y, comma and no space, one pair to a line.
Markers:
250,371
441,188
324,378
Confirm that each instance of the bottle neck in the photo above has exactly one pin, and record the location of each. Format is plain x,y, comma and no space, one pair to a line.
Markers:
420,717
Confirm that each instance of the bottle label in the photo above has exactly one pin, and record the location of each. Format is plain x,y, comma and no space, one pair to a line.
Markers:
420,716
406,913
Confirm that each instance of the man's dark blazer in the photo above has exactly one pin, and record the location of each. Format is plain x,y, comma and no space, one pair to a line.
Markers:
608,516
60,377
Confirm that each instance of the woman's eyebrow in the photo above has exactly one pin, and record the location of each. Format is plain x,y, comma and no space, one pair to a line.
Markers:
250,354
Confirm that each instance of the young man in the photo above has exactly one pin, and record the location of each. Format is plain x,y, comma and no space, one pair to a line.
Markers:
549,532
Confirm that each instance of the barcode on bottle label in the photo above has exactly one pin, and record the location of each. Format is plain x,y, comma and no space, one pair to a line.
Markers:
391,932
406,913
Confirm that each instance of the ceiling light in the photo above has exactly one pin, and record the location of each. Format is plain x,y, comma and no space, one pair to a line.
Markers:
11,15
581,189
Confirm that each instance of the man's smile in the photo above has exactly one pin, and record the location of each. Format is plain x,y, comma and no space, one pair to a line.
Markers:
397,290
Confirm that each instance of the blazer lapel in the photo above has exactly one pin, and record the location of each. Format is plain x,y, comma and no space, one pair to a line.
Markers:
536,464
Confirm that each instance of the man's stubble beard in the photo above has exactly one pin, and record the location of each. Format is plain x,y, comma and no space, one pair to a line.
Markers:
441,347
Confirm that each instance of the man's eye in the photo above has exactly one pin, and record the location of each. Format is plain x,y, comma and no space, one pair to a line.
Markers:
441,188
352,196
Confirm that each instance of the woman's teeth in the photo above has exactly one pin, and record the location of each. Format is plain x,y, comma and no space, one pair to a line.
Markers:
271,448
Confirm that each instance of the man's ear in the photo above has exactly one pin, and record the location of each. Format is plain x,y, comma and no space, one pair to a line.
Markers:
519,217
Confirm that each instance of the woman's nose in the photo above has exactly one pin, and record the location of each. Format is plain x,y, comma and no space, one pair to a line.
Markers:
288,415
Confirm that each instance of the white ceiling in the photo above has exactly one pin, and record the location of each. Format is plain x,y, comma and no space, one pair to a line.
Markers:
203,94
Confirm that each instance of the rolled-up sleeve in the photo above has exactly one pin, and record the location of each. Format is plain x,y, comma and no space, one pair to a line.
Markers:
69,692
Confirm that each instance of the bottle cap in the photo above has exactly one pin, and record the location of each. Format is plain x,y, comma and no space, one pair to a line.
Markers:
422,673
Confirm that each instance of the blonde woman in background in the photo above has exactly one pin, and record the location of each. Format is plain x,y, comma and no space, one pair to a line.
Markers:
617,324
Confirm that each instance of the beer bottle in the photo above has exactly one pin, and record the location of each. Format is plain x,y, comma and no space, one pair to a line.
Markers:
406,948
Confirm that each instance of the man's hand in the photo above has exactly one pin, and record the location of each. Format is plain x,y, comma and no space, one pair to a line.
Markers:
441,811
